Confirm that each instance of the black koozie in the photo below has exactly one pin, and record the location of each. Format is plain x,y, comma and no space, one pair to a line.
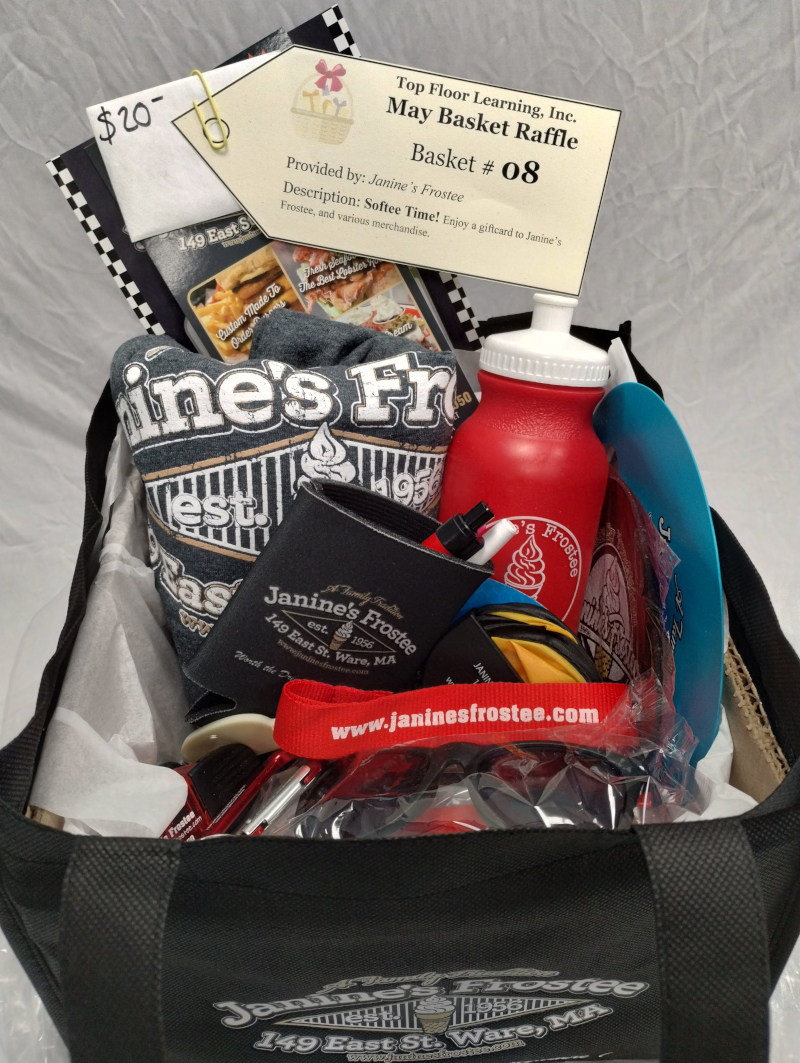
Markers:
343,593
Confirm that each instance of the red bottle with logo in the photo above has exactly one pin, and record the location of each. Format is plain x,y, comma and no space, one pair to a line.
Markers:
530,451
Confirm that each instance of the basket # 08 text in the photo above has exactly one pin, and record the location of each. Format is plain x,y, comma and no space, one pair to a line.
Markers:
393,163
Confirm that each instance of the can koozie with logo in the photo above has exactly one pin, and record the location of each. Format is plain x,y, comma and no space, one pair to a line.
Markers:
222,449
344,593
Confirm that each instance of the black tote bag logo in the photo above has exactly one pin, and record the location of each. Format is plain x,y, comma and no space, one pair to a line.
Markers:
430,1016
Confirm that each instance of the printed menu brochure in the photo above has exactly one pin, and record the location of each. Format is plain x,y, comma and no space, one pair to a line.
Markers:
227,274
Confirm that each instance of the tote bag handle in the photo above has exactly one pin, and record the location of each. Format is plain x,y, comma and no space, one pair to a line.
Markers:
113,915
711,942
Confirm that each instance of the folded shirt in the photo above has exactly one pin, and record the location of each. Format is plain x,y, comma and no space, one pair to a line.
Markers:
222,449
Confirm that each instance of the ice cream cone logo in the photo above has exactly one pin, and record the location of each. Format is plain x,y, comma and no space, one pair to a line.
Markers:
434,1014
326,458
526,571
341,635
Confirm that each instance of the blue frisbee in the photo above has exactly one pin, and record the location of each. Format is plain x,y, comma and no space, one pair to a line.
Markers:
656,462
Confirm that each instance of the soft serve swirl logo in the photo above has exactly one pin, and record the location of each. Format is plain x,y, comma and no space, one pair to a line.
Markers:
326,458
544,559
526,571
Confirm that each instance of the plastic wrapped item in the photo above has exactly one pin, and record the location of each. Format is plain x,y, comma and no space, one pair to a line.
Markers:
473,785
27,1033
656,462
406,791
622,619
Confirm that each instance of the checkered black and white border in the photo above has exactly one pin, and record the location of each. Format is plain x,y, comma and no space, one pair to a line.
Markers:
340,32
343,42
463,308
103,246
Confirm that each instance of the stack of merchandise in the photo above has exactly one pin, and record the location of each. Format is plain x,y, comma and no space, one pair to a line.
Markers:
323,657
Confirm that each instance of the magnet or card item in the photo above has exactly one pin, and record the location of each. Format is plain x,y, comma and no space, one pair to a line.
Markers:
526,216
227,275
656,462
509,643
249,729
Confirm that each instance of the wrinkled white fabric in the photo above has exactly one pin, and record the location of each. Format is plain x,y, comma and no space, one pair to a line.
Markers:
121,707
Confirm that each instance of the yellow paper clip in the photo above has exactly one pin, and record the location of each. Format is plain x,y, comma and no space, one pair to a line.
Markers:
217,145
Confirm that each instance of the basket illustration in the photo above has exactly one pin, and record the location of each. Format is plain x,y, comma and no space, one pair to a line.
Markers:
323,106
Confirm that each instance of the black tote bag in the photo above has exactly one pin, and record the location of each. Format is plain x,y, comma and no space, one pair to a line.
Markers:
661,942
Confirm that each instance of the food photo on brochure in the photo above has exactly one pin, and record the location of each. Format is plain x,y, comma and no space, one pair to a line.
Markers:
360,567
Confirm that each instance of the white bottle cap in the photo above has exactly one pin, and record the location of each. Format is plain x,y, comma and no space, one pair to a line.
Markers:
546,352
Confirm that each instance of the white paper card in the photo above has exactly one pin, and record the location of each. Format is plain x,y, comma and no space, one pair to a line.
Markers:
159,181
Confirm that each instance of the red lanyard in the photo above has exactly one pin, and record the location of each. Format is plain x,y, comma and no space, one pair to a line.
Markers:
325,722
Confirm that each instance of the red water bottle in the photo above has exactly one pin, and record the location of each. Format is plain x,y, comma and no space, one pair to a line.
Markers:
530,451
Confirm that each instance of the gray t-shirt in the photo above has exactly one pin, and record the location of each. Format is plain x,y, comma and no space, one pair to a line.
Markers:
222,448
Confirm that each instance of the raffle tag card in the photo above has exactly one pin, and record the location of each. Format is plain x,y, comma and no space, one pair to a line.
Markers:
376,159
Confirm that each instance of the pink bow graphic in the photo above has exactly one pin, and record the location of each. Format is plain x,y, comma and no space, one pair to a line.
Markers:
334,75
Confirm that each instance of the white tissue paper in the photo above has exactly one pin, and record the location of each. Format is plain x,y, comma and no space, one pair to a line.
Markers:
121,709
719,798
99,786
160,181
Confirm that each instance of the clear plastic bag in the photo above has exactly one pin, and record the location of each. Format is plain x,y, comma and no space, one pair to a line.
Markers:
470,785
623,618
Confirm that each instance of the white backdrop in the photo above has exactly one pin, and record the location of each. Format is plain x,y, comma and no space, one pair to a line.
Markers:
697,239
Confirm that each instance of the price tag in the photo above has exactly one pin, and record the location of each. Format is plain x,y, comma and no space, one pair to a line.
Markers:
382,160
159,181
